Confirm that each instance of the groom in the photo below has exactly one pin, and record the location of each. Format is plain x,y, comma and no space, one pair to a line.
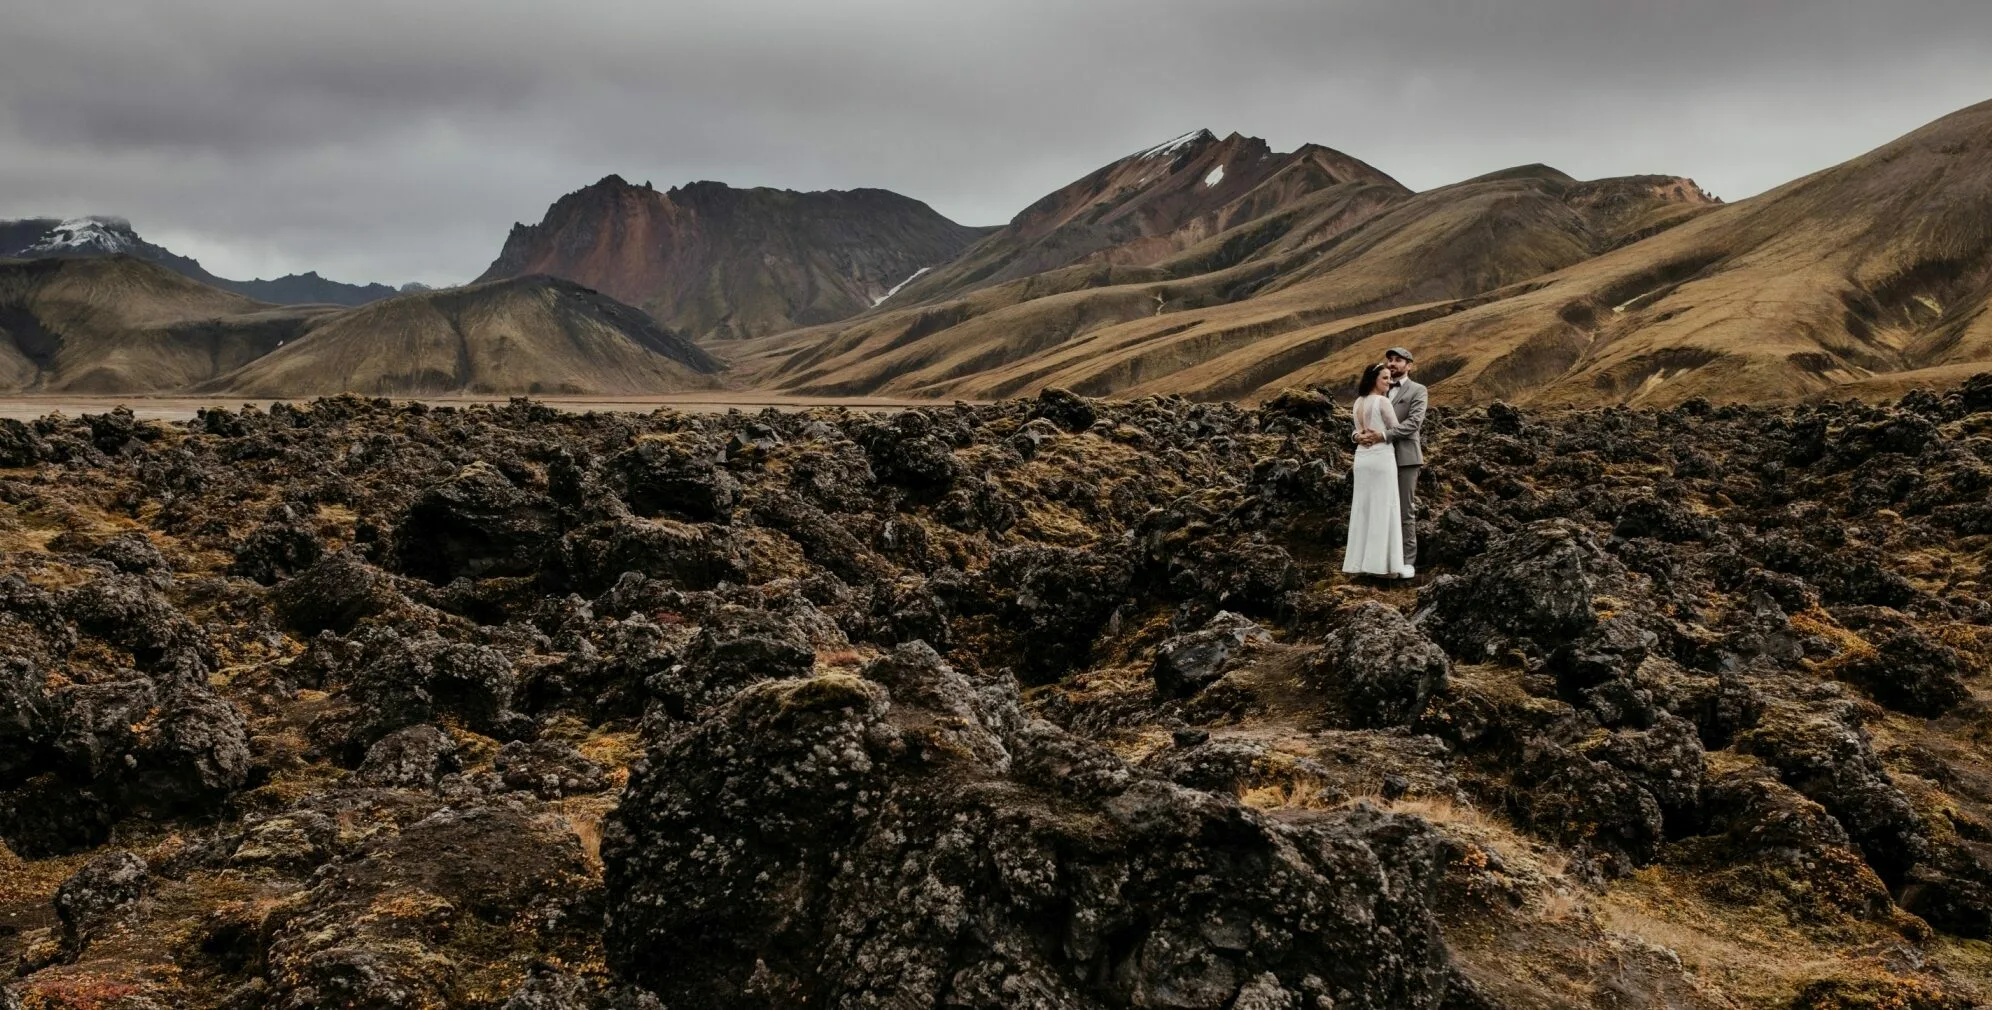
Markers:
1408,401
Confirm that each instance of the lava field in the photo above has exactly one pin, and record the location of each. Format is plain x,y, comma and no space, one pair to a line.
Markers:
1050,703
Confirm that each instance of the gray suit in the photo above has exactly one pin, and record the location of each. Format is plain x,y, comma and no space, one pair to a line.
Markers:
1407,439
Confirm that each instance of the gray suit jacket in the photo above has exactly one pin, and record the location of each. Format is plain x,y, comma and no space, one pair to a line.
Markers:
1407,436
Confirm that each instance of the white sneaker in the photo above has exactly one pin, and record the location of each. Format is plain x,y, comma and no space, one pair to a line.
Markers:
1407,572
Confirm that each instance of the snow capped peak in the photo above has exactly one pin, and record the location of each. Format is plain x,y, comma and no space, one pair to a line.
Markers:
1163,150
88,234
1216,176
880,300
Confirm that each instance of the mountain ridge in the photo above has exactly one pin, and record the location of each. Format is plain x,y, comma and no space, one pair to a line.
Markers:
721,262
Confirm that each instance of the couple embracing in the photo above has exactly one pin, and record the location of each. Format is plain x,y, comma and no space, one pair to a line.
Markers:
1389,421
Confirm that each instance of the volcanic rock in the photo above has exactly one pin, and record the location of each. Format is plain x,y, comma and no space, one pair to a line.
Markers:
1381,665
822,787
1189,663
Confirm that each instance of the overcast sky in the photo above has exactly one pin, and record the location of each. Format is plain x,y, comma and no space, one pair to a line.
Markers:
399,140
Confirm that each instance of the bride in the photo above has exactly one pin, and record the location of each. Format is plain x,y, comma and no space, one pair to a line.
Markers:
1376,535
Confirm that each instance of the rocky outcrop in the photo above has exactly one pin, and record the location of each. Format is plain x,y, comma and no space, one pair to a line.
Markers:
905,837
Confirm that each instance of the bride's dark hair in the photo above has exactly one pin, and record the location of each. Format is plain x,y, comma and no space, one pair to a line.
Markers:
1368,383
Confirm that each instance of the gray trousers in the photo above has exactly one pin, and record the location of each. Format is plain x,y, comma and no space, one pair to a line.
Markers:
1407,510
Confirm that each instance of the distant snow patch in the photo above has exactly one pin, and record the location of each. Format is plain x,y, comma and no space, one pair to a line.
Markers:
880,300
1177,144
105,234
1216,176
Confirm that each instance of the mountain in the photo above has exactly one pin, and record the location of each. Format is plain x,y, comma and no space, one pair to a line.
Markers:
1319,239
1867,278
1149,206
528,335
725,263
84,237
118,324
1870,276
308,289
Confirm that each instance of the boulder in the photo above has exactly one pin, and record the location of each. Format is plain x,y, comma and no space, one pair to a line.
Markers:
476,524
736,646
1382,666
33,625
26,714
682,555
1815,742
1189,663
19,445
48,815
659,477
331,595
1597,810
1056,600
191,754
96,896
415,757
906,451
127,611
131,552
1665,760
1536,587
1953,891
1911,672
277,550
295,842
550,769
1068,409
394,682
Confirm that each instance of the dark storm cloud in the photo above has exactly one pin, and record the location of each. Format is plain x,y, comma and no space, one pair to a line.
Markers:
377,140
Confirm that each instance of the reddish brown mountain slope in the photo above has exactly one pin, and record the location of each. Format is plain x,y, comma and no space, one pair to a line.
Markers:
1148,207
724,263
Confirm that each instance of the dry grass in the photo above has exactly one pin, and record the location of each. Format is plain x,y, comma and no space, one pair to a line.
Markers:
1753,956
582,816
840,658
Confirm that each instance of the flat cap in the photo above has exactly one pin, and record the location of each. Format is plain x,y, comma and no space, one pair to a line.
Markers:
1400,352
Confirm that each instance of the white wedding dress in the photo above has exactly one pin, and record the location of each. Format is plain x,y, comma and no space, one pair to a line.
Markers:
1376,532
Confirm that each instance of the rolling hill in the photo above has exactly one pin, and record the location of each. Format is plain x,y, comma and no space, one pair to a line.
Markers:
1868,276
121,325
723,263
118,324
529,335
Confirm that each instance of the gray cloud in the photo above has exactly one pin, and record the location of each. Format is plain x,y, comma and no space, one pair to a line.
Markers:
392,141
